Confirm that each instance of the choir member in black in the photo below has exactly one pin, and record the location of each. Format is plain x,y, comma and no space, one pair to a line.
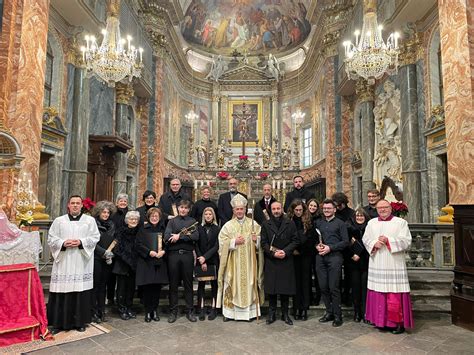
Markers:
334,240
180,238
262,209
359,265
224,209
149,201
303,255
121,203
207,256
315,212
203,203
152,271
126,264
344,213
279,240
170,200
298,193
102,257
373,196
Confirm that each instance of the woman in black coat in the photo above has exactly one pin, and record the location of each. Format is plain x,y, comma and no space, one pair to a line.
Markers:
102,257
152,271
315,212
207,249
304,254
126,264
359,264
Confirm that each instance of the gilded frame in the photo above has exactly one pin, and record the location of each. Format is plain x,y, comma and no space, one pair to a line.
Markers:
233,132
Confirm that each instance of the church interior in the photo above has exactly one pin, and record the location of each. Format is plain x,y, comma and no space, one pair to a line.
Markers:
105,97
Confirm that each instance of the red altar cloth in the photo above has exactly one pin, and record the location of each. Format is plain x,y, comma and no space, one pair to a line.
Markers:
22,308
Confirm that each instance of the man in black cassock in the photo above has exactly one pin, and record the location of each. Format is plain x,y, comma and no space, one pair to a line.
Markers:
262,209
202,204
224,209
169,200
298,193
279,240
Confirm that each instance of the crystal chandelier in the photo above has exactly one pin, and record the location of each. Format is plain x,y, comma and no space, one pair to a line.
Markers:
111,62
370,57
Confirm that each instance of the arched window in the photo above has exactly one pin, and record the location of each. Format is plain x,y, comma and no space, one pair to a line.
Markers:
48,77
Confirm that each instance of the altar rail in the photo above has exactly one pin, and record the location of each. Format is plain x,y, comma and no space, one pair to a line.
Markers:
432,246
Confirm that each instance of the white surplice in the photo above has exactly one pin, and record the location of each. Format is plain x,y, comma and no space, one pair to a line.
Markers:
73,268
387,268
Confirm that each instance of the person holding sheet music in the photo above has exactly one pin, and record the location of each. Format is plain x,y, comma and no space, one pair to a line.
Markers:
170,200
359,265
152,271
180,236
207,261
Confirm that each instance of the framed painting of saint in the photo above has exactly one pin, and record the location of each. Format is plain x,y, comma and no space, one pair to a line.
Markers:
245,122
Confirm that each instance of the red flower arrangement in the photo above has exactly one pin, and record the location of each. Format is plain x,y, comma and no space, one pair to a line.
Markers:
399,209
87,205
263,176
243,157
223,175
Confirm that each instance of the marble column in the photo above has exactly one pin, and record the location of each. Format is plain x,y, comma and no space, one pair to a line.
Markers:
214,131
79,134
123,94
365,93
275,132
409,132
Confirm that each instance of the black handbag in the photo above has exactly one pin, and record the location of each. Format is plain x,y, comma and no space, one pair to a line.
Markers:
209,275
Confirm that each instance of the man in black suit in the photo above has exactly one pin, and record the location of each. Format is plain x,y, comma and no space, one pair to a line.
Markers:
171,199
224,209
298,193
262,210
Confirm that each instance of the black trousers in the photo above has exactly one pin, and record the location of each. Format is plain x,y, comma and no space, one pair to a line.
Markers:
125,290
151,297
347,283
301,300
284,302
359,289
102,273
314,281
111,286
329,276
200,293
69,310
180,268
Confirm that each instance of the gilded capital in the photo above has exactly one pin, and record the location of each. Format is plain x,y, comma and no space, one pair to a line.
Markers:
411,50
73,53
123,93
364,91
113,8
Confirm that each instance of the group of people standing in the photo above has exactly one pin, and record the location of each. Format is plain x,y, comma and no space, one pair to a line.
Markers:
275,253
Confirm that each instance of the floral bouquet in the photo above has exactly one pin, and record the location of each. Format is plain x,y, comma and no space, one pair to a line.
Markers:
223,175
399,209
263,176
87,205
243,157
26,219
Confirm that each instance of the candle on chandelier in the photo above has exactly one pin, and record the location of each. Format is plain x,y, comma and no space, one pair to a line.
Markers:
195,184
284,184
278,184
273,184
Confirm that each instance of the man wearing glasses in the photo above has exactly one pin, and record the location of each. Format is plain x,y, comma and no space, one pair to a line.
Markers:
373,196
333,240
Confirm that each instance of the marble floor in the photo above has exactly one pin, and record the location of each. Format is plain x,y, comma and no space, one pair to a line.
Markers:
434,334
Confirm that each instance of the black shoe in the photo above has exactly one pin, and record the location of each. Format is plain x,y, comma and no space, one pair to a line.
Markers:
326,318
155,316
131,313
55,331
212,314
337,322
148,317
271,317
297,314
96,319
81,329
190,316
124,316
102,317
202,315
398,330
304,316
357,317
172,317
225,319
367,321
286,318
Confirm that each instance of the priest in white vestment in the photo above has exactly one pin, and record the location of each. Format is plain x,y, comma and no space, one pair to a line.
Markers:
386,238
240,292
72,239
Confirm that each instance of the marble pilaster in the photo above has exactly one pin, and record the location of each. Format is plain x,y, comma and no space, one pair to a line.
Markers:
409,131
215,117
53,188
79,134
365,94
275,132
159,161
22,91
330,118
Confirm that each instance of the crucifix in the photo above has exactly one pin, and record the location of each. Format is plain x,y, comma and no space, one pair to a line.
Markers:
243,120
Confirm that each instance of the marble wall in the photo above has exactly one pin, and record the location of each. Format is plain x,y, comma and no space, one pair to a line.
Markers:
330,118
457,50
102,106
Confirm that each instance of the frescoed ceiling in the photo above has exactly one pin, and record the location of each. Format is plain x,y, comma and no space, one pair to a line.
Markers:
252,26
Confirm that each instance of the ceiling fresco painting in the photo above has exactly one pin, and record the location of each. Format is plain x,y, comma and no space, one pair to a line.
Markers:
253,26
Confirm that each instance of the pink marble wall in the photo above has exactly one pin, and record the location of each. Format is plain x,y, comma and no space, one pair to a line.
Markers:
347,115
329,89
456,19
159,132
23,89
143,166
